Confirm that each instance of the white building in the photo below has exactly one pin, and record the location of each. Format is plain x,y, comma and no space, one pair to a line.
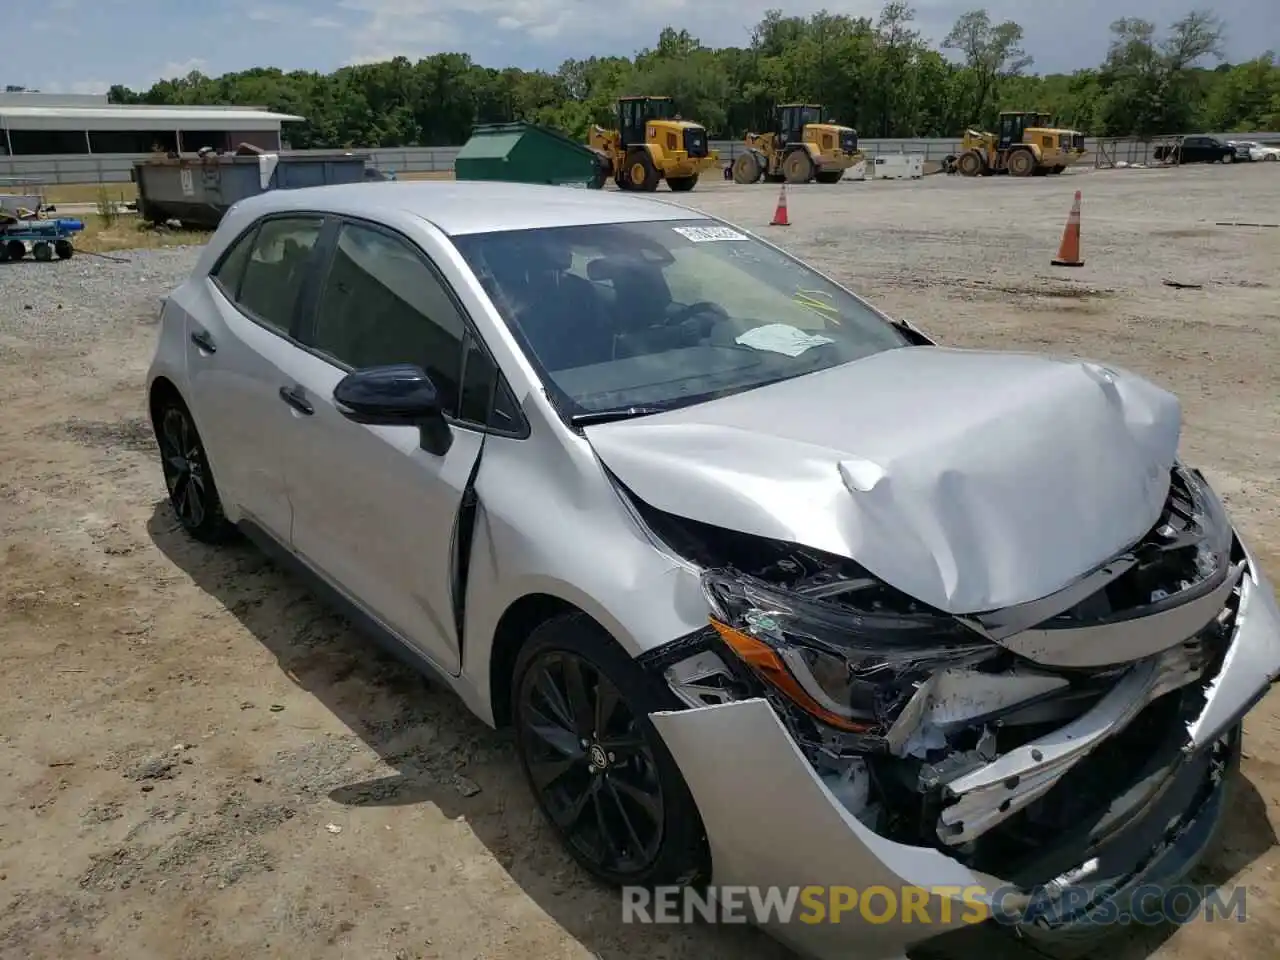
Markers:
53,125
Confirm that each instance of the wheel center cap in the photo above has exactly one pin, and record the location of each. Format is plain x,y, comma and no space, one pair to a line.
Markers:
597,757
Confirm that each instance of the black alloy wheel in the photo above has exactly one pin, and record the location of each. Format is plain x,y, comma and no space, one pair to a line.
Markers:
595,763
187,476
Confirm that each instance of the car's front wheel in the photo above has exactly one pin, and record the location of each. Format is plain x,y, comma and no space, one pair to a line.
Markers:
597,767
187,476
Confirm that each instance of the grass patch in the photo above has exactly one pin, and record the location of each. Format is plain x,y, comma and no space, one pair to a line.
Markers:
56,193
426,175
126,232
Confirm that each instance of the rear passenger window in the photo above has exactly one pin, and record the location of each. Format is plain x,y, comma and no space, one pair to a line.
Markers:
276,268
381,304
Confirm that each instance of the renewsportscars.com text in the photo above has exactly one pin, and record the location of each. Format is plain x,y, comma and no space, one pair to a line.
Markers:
944,905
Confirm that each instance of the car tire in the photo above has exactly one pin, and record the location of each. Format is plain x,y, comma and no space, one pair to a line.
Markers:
619,804
188,478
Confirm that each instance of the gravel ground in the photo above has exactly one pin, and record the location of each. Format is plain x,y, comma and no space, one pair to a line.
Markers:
202,762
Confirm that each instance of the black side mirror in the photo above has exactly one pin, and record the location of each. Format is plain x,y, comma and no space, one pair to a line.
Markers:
401,395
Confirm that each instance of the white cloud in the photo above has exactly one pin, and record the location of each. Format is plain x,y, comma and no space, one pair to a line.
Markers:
180,68
416,28
403,28
288,15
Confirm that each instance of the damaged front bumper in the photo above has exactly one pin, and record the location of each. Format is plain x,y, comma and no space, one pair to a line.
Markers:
774,820
771,822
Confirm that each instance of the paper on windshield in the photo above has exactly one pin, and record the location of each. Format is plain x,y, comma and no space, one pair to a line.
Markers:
782,338
708,234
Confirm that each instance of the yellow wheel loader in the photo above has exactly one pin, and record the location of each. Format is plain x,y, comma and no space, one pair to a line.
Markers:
799,148
652,143
1027,145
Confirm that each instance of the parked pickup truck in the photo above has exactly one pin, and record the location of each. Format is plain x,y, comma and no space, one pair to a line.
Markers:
1197,150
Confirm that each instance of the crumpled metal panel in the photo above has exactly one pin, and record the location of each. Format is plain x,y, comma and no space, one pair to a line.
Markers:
771,821
1121,641
993,793
1252,662
970,480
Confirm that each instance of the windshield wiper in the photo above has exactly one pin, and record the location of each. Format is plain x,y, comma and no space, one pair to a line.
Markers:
617,413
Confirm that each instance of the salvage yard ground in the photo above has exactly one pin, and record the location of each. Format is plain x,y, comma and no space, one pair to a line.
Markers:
199,761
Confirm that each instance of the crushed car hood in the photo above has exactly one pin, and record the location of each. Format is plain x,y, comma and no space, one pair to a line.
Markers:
970,480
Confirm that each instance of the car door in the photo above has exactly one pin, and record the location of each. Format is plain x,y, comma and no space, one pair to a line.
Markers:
374,512
240,342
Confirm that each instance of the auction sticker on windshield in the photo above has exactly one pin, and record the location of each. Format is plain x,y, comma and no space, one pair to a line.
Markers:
708,234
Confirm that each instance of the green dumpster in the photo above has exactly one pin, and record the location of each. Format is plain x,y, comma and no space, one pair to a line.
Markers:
527,153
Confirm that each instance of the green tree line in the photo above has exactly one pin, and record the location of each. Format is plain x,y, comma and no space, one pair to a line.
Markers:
877,75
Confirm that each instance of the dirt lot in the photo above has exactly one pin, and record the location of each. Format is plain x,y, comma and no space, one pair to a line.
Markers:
199,761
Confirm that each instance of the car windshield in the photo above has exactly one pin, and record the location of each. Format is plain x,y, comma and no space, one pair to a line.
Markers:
638,317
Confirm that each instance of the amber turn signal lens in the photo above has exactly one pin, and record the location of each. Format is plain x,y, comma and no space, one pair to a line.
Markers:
760,656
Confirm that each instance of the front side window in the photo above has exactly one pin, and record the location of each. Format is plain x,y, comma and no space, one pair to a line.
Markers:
485,396
277,268
230,269
381,305
662,314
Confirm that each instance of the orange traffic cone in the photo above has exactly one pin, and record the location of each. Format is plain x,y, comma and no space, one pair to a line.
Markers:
1069,250
780,214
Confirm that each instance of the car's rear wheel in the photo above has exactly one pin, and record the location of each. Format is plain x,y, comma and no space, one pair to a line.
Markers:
597,767
187,476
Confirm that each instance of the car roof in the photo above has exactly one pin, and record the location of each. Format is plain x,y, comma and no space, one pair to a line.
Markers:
472,206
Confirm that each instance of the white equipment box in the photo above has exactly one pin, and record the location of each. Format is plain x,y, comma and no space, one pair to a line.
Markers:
898,166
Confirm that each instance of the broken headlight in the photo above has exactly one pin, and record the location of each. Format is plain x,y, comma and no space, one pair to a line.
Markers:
851,665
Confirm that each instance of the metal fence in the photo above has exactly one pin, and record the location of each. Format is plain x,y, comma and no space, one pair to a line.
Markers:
109,168
115,168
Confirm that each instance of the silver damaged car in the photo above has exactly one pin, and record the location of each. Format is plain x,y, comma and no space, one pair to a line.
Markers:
772,589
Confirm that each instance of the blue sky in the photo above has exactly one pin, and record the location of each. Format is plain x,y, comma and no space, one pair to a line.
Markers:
83,46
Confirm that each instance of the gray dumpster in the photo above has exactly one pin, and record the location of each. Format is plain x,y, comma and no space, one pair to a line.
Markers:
198,190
